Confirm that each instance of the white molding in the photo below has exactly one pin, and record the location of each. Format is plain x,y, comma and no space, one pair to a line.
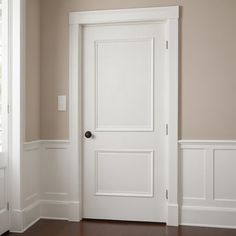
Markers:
173,214
28,226
46,141
37,144
217,217
51,209
55,144
173,104
44,209
124,15
77,20
207,142
148,127
75,114
17,111
74,211
55,194
60,210
32,146
148,194
16,221
5,74
31,214
24,219
32,196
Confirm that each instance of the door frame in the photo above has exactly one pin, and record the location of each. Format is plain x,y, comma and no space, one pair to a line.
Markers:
77,20
4,105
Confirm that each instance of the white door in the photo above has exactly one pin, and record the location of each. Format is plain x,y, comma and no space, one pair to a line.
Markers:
4,213
124,161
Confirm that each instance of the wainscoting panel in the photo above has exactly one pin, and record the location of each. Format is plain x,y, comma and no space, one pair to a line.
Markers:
30,186
208,183
31,173
224,172
55,160
193,179
55,179
45,181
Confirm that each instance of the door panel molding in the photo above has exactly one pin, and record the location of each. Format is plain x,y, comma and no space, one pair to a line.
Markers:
126,193
149,126
168,15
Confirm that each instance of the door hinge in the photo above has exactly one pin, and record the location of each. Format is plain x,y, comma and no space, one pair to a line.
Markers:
167,194
167,44
167,129
8,109
8,206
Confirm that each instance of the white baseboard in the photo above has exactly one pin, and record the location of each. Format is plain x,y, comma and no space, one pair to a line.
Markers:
31,214
75,212
60,210
44,209
21,220
217,217
173,215
16,225
54,210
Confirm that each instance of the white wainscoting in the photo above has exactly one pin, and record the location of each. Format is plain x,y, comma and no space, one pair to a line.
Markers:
45,181
56,202
208,183
54,179
30,184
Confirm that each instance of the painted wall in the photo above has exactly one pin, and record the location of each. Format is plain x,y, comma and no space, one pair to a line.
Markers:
32,83
207,64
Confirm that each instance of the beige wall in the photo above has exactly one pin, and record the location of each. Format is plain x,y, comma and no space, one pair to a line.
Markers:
207,64
32,96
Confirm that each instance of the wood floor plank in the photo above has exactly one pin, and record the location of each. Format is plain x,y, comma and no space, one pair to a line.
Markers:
116,228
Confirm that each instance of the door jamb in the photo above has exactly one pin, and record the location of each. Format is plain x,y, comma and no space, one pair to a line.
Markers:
77,20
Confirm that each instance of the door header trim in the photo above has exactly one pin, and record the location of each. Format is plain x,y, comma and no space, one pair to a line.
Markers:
124,15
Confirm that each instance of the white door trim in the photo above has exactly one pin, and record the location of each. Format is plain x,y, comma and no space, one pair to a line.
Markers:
17,109
77,20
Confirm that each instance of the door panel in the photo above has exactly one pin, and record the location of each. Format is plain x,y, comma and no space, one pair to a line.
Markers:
124,108
135,165
124,98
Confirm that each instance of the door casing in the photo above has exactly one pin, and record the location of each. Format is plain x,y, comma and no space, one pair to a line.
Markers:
168,15
5,225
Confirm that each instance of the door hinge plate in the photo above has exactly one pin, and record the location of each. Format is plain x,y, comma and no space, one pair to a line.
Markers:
167,194
167,129
8,206
167,44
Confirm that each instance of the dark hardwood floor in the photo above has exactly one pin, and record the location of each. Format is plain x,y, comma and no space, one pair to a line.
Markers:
112,228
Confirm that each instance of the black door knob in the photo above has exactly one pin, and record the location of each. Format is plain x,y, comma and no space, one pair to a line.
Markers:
88,134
